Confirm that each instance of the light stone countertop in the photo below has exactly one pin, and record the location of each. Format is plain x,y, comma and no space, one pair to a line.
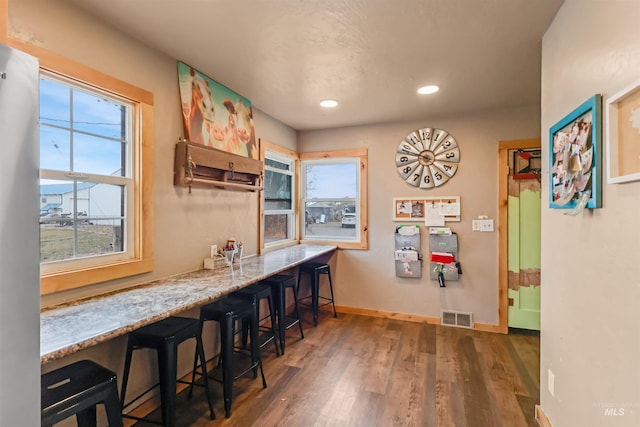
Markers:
71,327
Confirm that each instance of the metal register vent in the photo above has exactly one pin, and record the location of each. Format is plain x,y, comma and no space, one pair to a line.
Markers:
456,318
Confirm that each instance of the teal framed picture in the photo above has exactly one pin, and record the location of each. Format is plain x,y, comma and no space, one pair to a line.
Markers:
575,158
214,115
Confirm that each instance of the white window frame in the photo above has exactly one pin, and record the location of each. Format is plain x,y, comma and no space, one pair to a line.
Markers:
357,157
280,153
291,213
71,177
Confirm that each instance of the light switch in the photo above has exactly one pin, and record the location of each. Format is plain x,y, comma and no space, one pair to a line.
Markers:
475,225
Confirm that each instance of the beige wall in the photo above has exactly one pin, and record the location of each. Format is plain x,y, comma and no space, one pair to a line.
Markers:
185,225
590,269
366,279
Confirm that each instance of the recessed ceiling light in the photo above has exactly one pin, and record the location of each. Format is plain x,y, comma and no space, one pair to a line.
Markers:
425,90
329,103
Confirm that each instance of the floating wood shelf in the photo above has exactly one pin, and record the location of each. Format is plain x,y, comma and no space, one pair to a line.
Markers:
200,166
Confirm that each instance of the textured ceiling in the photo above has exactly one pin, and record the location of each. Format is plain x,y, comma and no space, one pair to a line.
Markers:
370,55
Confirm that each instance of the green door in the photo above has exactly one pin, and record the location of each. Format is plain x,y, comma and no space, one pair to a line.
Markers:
524,253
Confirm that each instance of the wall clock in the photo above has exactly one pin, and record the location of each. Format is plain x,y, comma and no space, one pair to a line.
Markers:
427,158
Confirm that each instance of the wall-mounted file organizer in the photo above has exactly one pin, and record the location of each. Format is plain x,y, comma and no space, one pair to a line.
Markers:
408,258
444,264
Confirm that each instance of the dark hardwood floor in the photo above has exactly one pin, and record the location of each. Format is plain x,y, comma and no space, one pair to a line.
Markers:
366,371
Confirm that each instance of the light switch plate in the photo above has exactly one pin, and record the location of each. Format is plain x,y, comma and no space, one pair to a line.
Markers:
475,225
486,225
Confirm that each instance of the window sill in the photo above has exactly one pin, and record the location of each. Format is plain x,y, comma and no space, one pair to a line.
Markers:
359,245
277,246
62,281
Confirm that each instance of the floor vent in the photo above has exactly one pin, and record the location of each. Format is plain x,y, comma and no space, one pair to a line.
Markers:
457,318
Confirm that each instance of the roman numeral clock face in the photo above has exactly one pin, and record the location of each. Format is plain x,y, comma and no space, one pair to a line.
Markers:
427,158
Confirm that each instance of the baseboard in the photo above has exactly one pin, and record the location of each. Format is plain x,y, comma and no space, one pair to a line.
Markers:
389,315
541,417
489,327
433,320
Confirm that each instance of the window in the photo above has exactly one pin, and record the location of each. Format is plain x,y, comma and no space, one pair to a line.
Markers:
279,196
85,158
279,202
333,198
96,173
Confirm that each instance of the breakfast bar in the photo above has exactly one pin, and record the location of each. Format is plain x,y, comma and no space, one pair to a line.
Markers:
69,328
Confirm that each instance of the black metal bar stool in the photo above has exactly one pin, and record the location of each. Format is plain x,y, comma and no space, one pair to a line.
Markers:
226,312
76,389
279,284
256,293
165,336
314,270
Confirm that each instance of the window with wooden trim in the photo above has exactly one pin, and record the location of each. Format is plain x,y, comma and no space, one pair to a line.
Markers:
334,198
279,199
96,175
86,181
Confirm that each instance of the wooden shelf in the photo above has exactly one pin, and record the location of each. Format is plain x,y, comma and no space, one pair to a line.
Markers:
196,165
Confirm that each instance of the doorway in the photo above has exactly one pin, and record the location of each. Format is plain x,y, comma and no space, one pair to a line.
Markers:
519,234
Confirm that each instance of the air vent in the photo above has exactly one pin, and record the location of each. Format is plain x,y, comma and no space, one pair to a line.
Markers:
457,318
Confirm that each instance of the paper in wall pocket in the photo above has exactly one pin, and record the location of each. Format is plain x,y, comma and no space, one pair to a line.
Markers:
406,255
442,257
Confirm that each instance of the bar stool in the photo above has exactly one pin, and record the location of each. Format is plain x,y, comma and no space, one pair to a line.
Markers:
76,389
315,269
226,312
256,293
165,336
279,284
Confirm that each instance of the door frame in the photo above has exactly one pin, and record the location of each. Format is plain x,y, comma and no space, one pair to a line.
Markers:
503,226
4,21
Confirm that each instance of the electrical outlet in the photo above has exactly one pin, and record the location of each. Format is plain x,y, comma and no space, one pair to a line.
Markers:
214,250
551,379
486,225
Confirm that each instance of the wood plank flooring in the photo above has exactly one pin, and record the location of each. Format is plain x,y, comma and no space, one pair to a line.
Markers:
367,371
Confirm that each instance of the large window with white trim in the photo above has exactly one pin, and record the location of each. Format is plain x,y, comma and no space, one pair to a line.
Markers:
86,180
333,198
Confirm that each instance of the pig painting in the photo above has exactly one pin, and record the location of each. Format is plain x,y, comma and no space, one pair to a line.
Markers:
214,115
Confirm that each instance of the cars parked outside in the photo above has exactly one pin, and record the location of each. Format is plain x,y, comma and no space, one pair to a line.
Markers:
349,220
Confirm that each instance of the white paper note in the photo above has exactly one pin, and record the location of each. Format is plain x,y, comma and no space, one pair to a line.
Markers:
434,216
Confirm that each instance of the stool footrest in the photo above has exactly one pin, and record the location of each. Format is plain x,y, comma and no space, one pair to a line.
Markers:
290,322
239,369
146,420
